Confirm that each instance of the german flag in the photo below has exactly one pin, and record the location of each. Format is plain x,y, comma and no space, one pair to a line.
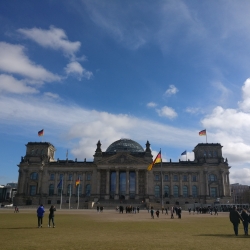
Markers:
77,182
41,132
157,160
203,132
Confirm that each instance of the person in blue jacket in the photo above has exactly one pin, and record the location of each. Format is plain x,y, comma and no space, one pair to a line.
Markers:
40,211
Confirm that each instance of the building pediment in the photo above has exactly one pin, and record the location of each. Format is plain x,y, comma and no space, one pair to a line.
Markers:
122,158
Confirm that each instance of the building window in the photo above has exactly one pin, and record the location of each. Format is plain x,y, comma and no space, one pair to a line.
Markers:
215,154
185,191
166,178
194,178
88,177
79,177
88,190
51,189
157,191
184,178
157,177
210,153
213,192
205,153
176,177
194,191
52,177
61,176
70,177
69,190
32,190
166,191
176,191
212,177
34,176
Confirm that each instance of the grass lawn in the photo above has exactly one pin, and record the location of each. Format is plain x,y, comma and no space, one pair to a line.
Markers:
87,229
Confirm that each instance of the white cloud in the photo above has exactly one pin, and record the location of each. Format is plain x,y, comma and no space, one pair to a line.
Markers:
52,95
75,68
85,127
167,112
53,38
242,176
8,84
13,60
245,104
151,104
172,90
192,110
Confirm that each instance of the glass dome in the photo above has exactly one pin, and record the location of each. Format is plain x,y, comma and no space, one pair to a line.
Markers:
125,145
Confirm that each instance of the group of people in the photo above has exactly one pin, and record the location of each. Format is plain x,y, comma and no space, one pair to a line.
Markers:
236,217
40,213
99,209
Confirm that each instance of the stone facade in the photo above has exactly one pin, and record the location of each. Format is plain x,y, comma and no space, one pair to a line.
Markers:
120,174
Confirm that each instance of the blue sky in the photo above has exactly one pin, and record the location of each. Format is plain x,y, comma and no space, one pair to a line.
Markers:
89,70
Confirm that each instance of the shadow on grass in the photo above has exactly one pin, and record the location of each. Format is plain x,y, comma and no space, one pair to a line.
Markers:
223,235
9,228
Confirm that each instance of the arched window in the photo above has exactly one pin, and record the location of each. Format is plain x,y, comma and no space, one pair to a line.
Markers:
166,191
88,190
51,189
34,176
157,191
194,191
212,177
69,190
185,191
176,191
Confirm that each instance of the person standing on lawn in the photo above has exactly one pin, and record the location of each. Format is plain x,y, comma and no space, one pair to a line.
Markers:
51,215
235,218
40,211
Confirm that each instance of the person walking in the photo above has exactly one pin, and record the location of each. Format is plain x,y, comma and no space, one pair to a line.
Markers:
152,212
40,211
51,215
235,218
245,217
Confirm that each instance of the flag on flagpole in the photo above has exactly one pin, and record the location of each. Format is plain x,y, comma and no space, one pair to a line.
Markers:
203,132
184,153
156,160
77,182
41,132
59,184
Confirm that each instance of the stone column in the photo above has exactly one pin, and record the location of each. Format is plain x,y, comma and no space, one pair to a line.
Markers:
171,185
136,184
206,183
117,185
189,185
222,183
127,185
83,182
98,181
107,184
180,183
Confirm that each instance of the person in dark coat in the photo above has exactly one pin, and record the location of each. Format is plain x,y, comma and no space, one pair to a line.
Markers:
40,211
51,215
245,217
235,218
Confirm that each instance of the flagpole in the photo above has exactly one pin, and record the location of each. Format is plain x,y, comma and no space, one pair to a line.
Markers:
61,194
161,185
78,196
186,155
206,136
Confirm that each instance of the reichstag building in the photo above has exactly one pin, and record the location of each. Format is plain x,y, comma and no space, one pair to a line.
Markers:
120,174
